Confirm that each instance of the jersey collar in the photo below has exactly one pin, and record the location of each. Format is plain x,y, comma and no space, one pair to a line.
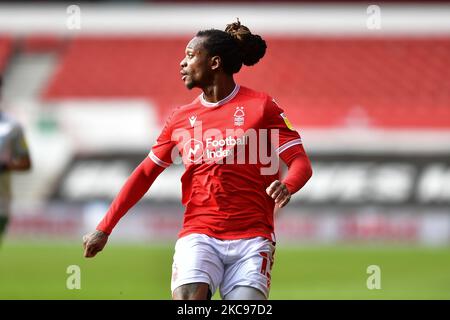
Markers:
221,102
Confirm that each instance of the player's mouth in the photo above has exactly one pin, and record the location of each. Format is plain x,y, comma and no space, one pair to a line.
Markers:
183,75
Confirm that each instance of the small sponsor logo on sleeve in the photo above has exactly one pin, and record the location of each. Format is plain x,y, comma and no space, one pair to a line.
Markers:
286,120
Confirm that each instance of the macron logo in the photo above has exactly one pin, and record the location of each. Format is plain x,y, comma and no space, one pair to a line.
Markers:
192,120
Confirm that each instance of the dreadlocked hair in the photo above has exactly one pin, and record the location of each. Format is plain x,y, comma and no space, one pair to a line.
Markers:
235,46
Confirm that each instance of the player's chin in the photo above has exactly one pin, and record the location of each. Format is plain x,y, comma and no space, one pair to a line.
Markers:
189,84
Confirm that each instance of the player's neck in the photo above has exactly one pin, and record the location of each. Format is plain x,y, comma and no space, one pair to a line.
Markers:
219,90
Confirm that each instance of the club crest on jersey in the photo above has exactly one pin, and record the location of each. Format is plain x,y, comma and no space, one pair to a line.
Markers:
192,120
287,122
239,115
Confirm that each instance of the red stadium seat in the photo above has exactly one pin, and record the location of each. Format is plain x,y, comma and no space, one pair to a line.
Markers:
41,43
320,82
6,46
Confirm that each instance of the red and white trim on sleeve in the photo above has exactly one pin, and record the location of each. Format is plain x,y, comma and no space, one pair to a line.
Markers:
158,161
289,144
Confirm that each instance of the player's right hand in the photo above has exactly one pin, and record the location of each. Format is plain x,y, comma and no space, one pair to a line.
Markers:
94,243
279,192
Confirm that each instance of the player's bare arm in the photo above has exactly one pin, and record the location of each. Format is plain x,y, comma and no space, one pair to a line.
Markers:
279,192
22,164
94,243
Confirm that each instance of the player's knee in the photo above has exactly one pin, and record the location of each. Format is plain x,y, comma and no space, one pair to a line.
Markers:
192,291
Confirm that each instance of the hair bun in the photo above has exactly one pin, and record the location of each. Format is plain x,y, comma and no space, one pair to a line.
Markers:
252,46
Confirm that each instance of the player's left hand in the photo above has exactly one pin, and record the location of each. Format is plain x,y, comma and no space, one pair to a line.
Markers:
279,192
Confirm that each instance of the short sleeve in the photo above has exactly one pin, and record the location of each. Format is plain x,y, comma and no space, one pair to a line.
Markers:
161,151
276,118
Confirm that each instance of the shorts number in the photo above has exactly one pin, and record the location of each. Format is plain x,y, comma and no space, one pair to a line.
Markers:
266,266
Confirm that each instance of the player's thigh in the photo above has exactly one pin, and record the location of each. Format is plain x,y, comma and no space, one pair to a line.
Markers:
253,269
195,263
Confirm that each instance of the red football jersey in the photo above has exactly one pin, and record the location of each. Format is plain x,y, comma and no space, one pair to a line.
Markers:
226,147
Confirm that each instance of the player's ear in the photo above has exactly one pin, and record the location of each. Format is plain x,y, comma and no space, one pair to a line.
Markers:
216,62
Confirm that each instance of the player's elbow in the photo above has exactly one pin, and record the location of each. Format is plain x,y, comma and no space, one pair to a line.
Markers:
21,165
27,164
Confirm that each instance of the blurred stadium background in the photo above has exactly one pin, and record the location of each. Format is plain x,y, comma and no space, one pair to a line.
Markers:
372,105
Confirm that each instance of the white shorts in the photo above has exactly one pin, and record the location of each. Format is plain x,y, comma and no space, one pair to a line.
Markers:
223,264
